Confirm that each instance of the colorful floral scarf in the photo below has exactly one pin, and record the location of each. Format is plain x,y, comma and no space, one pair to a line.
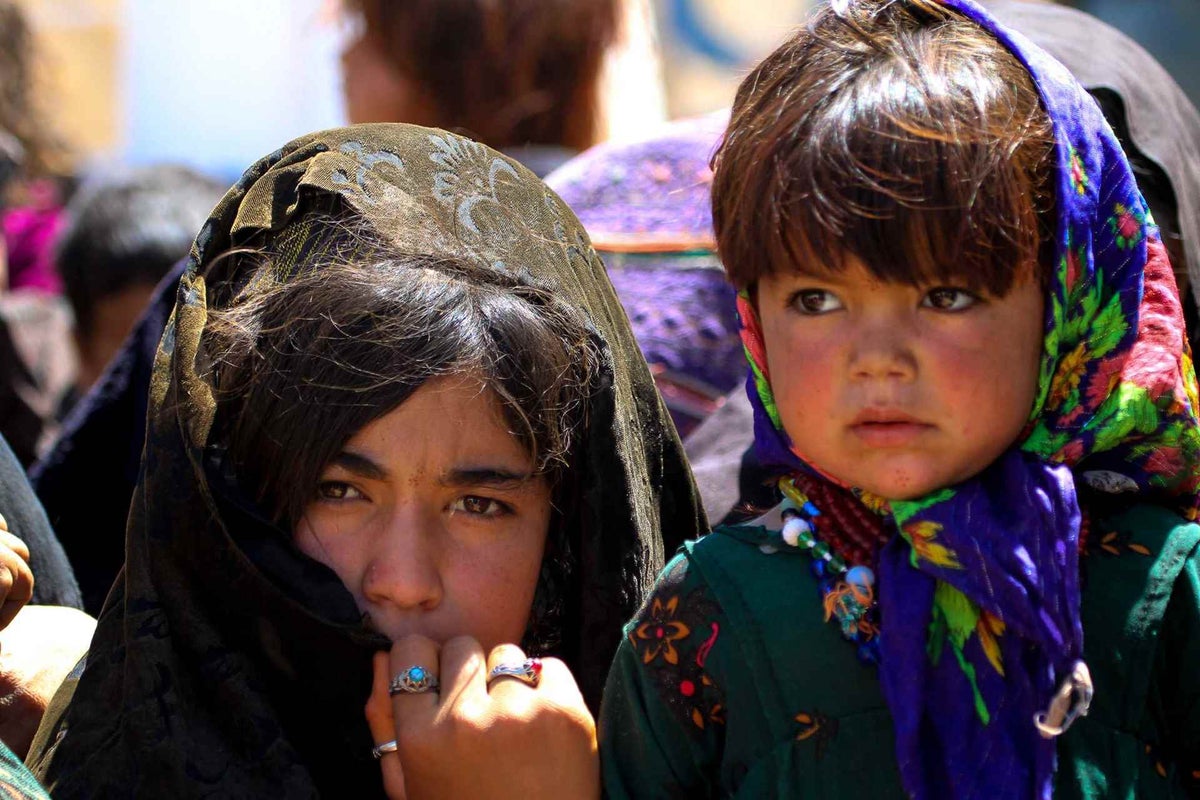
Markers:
980,591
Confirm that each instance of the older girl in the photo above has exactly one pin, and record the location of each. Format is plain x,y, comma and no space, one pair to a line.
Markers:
397,408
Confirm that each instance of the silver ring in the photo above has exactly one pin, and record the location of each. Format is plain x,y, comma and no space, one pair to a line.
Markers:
387,747
414,680
528,672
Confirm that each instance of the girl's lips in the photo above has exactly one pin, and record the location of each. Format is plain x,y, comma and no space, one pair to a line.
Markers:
899,433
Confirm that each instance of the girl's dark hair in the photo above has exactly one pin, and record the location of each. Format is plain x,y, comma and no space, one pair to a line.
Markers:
895,131
301,365
508,72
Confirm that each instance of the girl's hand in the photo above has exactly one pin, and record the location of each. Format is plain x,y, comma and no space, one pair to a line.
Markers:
469,739
16,579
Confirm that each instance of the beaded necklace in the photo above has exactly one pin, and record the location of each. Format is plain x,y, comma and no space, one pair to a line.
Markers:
843,532
847,587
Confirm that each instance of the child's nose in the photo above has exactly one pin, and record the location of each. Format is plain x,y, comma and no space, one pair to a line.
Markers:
403,571
882,352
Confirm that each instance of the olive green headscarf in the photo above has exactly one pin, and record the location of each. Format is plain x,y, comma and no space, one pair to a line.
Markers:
226,662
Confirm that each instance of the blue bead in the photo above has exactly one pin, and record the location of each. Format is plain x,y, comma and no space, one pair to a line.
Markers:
811,510
861,576
820,568
827,585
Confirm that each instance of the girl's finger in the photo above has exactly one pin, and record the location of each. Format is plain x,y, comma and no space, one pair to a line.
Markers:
14,543
512,657
383,729
16,585
559,688
464,672
414,681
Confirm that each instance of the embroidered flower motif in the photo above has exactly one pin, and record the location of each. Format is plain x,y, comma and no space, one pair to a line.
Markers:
1114,543
1074,269
1103,381
457,157
816,726
989,628
1070,372
659,632
675,630
368,163
1079,178
1127,225
923,538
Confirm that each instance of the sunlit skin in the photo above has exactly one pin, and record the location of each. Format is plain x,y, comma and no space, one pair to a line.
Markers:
431,518
895,389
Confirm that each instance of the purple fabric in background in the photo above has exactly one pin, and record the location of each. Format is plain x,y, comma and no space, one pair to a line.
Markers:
647,209
29,236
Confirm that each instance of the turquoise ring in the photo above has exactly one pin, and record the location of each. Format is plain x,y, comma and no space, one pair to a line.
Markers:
414,680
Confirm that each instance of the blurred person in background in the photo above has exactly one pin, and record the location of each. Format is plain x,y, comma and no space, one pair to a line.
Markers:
523,76
647,208
37,366
31,208
122,235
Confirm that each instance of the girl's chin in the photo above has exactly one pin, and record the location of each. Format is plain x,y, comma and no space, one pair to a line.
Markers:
901,484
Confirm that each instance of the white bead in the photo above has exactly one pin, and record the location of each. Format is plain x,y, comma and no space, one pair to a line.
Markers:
860,576
793,528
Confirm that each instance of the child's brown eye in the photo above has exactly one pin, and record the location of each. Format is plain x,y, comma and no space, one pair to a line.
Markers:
948,299
815,301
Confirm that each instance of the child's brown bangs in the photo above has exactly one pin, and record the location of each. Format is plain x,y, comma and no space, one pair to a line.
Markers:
905,154
909,208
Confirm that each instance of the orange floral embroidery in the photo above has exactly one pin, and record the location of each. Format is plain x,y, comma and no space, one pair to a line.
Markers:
989,628
816,726
659,632
923,537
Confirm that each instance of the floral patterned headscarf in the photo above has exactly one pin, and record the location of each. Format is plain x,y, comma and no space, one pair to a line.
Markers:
980,590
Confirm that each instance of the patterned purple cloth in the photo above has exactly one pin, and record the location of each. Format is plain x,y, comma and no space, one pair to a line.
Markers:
647,210
29,234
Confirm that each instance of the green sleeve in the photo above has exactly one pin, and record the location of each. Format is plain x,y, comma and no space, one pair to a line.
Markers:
662,718
1176,682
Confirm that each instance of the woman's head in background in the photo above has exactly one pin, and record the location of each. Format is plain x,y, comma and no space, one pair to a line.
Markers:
508,73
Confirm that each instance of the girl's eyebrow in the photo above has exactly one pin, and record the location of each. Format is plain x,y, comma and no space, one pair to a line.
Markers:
359,465
496,477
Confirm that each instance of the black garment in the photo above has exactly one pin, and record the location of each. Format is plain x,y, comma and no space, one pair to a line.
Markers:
226,662
53,582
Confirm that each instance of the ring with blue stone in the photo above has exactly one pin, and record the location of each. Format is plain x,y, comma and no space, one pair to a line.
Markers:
414,680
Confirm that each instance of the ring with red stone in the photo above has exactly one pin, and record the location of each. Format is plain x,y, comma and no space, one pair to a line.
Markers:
528,671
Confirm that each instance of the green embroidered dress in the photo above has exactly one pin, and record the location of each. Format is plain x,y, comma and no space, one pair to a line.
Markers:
729,682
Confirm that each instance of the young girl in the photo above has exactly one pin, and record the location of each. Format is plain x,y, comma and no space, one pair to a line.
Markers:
969,371
399,429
